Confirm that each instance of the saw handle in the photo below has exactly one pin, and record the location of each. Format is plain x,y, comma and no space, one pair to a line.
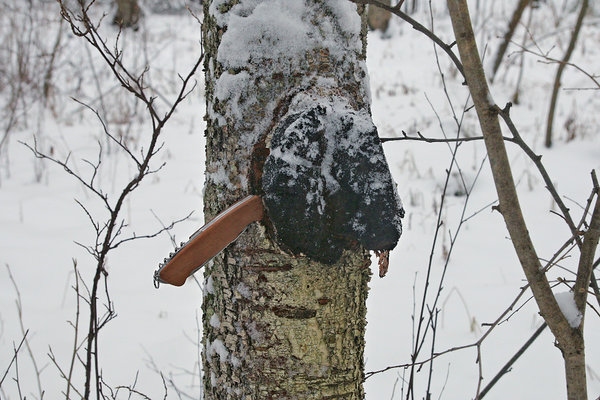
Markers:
211,239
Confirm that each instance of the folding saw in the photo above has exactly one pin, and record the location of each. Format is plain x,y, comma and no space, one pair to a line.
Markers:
208,241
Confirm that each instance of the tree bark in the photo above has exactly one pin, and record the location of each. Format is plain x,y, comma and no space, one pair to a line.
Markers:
275,325
569,339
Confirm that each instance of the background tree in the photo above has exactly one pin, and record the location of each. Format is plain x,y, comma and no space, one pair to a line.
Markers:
128,13
510,31
379,18
559,71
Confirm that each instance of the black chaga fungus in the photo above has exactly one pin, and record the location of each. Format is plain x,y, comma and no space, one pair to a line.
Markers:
327,184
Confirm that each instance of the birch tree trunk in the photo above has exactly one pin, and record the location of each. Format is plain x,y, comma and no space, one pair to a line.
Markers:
277,326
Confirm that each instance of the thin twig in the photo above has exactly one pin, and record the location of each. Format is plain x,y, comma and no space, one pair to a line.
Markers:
418,27
14,358
512,360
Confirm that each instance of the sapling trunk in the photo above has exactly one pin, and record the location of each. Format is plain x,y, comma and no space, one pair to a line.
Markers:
569,339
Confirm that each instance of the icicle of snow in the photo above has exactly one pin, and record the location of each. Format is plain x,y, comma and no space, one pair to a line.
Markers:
566,302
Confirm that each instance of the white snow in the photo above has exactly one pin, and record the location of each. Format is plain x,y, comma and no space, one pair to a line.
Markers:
566,302
254,333
244,290
220,177
235,361
208,286
230,86
218,347
214,321
268,30
277,32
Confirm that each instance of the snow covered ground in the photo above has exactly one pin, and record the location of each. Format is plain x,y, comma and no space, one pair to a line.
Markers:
158,329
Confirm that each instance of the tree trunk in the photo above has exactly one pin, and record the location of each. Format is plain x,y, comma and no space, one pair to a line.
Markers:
512,26
128,13
275,325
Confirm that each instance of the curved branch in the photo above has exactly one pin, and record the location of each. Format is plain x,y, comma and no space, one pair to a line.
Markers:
418,27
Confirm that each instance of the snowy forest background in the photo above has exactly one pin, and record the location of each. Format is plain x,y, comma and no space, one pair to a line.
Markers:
56,93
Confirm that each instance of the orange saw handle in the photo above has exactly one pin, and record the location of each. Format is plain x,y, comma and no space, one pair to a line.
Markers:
210,240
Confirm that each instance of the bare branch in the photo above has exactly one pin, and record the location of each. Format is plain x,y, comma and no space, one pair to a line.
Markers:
152,235
418,27
506,368
570,340
108,134
63,164
421,138
14,358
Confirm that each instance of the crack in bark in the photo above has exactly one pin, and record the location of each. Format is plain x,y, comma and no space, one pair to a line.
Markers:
292,312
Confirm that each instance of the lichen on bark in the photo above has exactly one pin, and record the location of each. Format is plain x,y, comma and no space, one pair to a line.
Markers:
277,326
